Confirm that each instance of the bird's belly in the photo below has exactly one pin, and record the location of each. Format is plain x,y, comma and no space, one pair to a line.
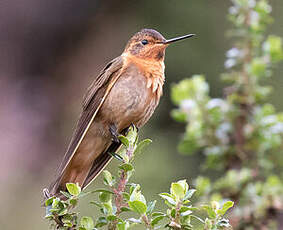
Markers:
129,101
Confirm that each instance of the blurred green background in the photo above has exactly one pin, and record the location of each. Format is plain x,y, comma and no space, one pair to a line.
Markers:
49,53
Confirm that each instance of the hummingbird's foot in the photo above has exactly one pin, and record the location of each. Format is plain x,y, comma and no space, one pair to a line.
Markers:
114,132
134,126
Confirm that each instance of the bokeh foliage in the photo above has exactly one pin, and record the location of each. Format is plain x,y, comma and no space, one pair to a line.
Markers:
241,133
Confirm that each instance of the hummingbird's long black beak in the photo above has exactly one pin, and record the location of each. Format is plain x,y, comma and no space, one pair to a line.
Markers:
178,38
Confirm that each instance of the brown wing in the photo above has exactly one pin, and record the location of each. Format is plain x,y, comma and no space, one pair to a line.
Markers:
94,98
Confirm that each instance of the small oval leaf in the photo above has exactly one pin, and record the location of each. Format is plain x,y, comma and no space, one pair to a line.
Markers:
138,206
73,189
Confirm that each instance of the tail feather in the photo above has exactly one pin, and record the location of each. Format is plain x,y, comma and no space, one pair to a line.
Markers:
100,163
97,166
54,189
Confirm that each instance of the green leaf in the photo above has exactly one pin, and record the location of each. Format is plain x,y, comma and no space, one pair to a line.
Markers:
126,196
184,184
102,221
74,202
273,46
67,218
125,209
195,87
62,212
134,220
49,201
132,135
66,194
186,209
134,187
126,167
83,194
210,212
189,194
87,223
186,201
155,214
215,205
96,204
198,218
57,204
124,140
68,224
188,146
104,197
108,178
138,206
225,207
108,208
123,225
169,198
179,115
203,185
186,213
177,190
150,207
157,219
208,224
258,67
173,212
136,195
48,212
73,189
142,145
111,217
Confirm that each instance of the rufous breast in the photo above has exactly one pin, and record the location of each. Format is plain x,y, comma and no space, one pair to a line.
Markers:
152,69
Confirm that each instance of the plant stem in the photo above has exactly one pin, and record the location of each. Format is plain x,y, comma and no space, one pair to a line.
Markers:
147,222
175,223
119,202
119,190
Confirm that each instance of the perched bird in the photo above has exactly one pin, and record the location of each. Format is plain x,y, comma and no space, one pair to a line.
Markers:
125,92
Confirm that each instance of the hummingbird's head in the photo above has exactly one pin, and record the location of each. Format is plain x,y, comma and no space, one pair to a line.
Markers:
150,44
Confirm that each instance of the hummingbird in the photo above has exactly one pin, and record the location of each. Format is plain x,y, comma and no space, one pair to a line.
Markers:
126,92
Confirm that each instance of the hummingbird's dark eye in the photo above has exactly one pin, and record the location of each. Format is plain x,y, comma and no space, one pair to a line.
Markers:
144,42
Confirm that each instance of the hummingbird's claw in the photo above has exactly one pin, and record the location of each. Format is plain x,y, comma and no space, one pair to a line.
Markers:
117,156
114,133
134,127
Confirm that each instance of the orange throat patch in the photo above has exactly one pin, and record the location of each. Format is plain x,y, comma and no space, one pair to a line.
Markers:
153,70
